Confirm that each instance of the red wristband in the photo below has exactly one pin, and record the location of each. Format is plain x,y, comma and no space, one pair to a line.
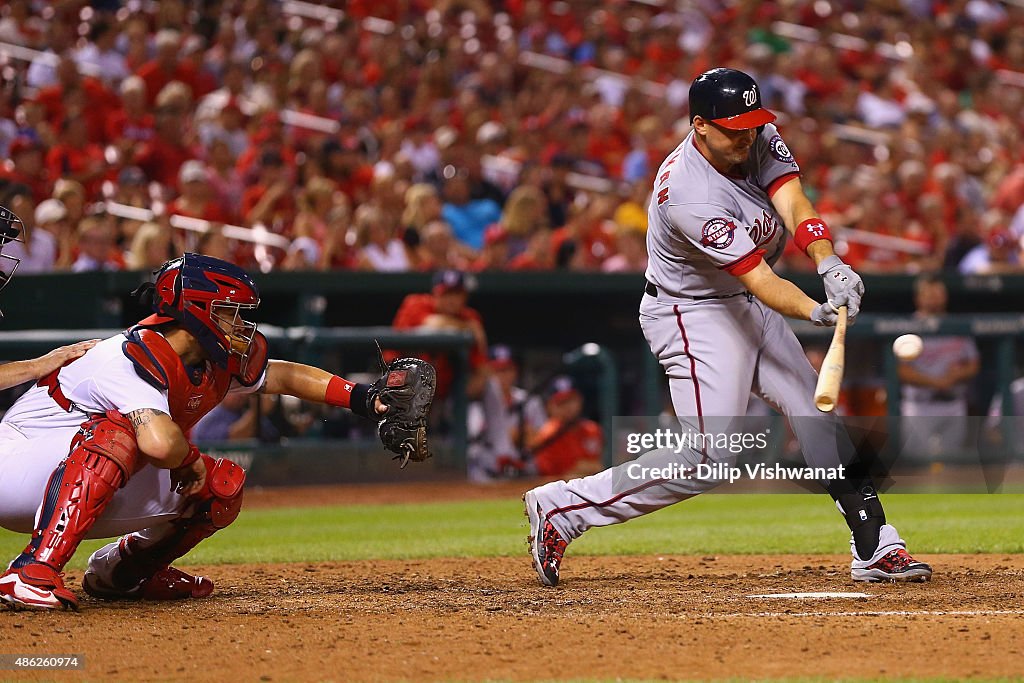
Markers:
811,230
339,392
191,457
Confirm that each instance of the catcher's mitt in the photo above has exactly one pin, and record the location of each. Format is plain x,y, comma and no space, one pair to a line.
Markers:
407,389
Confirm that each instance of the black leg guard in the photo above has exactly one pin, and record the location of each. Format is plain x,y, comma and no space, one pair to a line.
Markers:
858,501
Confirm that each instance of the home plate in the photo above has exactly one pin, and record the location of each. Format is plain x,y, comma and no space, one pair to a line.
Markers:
799,596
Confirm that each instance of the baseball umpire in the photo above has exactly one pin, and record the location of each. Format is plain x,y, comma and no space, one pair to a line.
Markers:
712,313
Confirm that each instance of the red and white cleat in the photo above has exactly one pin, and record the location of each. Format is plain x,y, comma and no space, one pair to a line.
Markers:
36,586
167,584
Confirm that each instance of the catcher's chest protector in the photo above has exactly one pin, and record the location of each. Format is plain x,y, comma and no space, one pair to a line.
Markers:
190,395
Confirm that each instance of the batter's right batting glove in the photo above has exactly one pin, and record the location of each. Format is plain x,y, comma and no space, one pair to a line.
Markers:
842,285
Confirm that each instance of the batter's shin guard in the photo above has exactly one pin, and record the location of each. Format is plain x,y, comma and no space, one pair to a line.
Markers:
863,512
103,456
144,553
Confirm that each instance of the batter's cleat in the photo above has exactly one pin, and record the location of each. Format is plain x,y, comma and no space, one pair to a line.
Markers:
36,586
546,545
895,565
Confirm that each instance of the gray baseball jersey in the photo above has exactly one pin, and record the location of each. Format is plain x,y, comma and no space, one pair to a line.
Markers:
716,347
705,228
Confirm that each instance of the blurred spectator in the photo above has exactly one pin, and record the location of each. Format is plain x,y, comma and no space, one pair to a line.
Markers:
131,126
237,417
380,250
196,199
935,384
166,66
100,56
523,217
97,249
439,250
645,157
467,217
315,203
502,422
161,157
631,252
150,248
228,127
76,158
26,167
568,445
444,308
270,200
999,254
59,37
37,248
494,255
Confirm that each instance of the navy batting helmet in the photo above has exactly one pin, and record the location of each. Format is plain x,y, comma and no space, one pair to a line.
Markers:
729,98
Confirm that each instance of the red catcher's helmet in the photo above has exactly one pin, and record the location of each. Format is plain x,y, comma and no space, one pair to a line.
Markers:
206,296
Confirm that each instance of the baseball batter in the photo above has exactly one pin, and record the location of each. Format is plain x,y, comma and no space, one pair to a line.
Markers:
723,205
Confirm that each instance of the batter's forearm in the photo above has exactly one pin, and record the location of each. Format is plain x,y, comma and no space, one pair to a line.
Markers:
787,299
820,250
777,293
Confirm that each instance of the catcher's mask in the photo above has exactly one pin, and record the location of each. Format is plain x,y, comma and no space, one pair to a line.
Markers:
206,296
11,230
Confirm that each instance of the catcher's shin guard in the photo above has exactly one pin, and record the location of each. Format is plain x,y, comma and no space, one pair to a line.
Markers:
126,568
103,456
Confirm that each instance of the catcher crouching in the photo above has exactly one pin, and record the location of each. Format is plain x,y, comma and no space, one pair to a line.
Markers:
101,441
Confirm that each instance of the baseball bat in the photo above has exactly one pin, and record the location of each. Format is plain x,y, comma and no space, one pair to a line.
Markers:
826,393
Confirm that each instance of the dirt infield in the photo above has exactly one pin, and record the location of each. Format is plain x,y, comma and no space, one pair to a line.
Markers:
644,617
664,617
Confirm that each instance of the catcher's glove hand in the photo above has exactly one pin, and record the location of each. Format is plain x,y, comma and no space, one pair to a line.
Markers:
407,389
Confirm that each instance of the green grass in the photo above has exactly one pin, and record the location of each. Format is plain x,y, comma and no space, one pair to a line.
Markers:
711,524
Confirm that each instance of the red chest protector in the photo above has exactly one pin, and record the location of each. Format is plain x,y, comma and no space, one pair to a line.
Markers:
190,394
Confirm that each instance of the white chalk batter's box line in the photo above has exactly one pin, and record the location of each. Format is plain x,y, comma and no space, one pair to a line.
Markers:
874,613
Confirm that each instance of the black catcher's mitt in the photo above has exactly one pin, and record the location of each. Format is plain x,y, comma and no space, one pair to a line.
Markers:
407,389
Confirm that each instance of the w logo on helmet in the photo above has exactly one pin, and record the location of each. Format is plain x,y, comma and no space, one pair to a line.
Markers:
750,96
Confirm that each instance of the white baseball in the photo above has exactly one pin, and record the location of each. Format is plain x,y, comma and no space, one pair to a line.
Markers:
907,347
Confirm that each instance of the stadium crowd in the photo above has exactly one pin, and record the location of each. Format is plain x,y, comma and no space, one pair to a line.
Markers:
428,134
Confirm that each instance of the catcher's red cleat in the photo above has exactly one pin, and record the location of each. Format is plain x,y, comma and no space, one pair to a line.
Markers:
167,584
36,586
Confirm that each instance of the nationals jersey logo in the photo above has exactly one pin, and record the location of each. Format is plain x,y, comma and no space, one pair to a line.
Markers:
193,403
779,150
718,233
763,228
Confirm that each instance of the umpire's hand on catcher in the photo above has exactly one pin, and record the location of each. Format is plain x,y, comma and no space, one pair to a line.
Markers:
842,286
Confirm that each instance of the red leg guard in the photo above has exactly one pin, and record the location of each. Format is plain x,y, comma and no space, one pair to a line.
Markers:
103,456
216,506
